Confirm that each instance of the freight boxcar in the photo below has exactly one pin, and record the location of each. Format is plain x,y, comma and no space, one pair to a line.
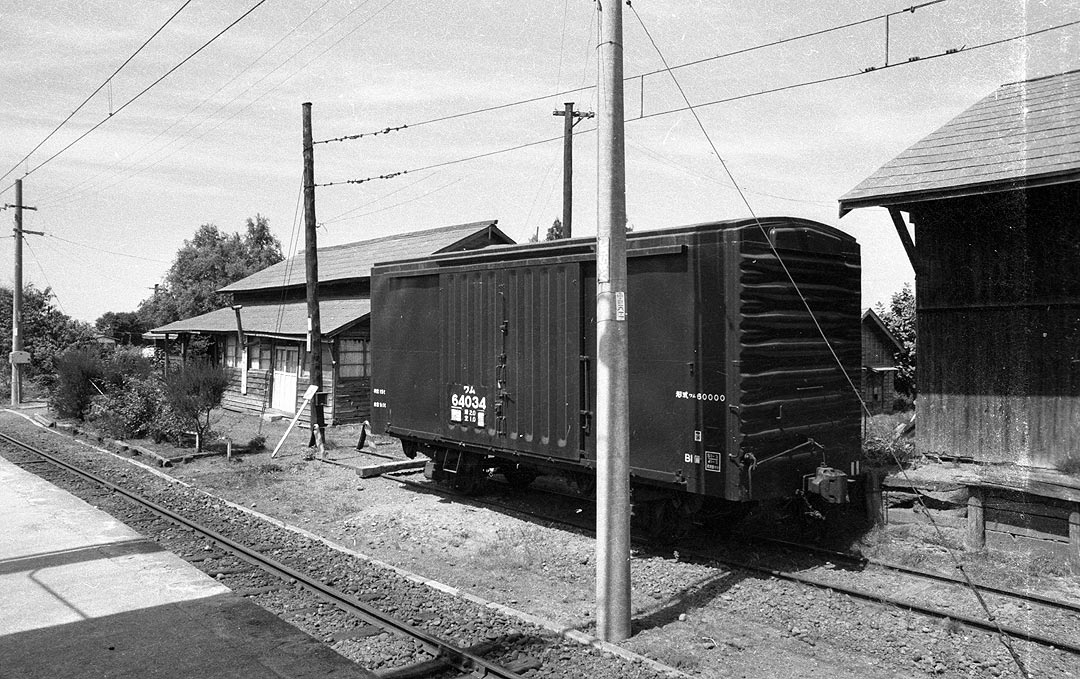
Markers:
486,362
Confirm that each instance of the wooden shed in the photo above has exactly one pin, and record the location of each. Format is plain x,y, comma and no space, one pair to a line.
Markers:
269,368
879,349
994,200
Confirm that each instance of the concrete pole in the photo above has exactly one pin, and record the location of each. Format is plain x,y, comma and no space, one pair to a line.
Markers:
16,299
311,261
612,388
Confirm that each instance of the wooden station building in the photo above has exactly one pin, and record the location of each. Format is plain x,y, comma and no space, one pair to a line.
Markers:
270,369
994,197
994,200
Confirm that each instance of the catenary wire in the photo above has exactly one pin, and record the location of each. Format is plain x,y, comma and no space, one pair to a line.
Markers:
531,100
141,93
107,81
261,96
1005,639
86,185
783,88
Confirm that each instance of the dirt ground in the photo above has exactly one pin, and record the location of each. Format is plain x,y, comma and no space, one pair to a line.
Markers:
683,611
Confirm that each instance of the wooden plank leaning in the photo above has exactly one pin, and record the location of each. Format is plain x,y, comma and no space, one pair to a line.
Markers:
308,395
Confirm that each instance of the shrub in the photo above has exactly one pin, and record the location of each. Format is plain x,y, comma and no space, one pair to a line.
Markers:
123,364
195,390
136,409
882,447
73,389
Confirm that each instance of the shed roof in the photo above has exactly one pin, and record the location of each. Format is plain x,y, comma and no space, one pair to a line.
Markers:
354,260
1023,134
289,319
871,319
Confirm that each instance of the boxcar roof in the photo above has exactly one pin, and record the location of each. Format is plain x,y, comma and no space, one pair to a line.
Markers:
1023,134
290,318
635,240
354,260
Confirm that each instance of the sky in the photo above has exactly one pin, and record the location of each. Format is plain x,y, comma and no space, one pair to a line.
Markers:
219,139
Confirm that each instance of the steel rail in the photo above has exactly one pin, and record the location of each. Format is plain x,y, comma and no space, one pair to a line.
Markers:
453,655
977,623
929,575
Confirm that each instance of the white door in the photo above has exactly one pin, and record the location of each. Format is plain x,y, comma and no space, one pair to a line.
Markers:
286,365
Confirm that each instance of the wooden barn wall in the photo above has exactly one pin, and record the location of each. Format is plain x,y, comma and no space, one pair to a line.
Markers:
998,307
257,396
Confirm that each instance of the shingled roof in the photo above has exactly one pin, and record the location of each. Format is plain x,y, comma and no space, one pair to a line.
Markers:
275,320
354,260
1023,134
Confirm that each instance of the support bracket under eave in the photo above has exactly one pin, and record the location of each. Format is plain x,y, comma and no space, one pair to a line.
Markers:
905,238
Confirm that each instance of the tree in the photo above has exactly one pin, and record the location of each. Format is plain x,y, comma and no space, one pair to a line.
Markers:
193,392
210,260
555,231
899,318
46,330
124,326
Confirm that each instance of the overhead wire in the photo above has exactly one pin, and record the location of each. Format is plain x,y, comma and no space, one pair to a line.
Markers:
107,81
78,189
268,91
141,92
531,100
845,76
1005,639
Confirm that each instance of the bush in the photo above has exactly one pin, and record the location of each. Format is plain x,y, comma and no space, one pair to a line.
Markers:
882,447
136,409
73,389
123,364
195,390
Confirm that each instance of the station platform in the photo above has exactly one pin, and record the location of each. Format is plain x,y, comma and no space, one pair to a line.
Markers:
84,596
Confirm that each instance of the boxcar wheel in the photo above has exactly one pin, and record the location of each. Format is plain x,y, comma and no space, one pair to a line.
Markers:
519,477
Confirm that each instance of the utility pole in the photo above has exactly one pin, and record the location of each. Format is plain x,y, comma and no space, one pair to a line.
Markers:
612,383
18,357
570,118
311,261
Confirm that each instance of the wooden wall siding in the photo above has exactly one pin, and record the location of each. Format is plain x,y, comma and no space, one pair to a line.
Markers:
874,351
352,399
257,397
999,326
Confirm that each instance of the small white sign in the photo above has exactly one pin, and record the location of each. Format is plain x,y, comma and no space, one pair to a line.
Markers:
620,306
19,357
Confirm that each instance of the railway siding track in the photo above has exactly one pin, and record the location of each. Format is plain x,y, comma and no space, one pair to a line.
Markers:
1052,623
398,627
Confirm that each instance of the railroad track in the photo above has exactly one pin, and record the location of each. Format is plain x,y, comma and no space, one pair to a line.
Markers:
1022,604
230,558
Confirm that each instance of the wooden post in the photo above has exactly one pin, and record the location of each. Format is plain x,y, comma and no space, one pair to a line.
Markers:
905,238
873,497
1074,537
976,520
311,261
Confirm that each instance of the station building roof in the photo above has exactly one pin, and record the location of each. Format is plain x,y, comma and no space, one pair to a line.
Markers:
1024,134
288,320
354,260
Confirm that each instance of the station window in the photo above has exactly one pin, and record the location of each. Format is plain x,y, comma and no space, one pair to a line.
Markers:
355,358
231,357
259,356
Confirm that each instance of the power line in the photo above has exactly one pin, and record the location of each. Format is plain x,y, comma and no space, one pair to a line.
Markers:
81,187
267,92
141,93
845,76
108,252
531,100
107,81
